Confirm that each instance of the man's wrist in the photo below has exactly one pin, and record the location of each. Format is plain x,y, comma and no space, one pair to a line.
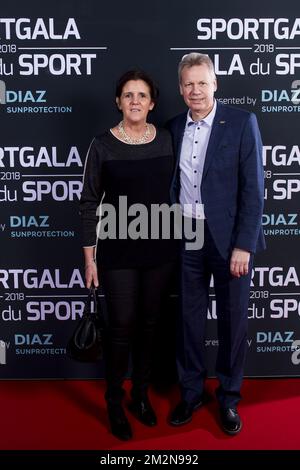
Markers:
241,249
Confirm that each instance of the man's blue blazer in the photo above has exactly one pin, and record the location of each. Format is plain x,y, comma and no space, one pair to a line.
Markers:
232,187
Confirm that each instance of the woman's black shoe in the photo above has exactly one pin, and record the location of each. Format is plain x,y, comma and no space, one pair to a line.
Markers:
119,424
143,410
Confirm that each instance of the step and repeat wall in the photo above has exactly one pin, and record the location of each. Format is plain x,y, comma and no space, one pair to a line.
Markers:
58,66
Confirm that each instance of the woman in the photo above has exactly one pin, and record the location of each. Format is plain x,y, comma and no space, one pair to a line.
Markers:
131,163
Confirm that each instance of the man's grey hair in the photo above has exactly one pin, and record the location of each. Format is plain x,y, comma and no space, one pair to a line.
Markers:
195,58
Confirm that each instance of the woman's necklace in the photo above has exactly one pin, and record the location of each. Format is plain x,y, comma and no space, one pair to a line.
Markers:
130,140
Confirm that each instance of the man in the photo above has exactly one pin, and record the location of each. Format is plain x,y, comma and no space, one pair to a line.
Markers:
218,165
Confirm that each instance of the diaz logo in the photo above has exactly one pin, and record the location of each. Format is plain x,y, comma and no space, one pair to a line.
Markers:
19,96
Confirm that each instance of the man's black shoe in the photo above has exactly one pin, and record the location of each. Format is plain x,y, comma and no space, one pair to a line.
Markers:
230,420
183,412
119,424
143,410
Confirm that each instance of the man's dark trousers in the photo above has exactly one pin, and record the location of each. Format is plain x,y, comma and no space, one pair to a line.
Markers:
232,299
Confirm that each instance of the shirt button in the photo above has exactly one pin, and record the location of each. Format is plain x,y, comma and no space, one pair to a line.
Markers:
195,186
196,201
195,171
198,128
194,156
196,141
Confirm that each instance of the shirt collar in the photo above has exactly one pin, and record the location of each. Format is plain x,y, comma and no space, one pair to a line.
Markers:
208,119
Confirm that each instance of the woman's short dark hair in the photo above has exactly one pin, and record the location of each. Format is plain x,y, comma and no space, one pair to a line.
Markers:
137,75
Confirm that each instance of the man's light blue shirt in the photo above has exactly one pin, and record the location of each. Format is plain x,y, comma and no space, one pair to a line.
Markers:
192,157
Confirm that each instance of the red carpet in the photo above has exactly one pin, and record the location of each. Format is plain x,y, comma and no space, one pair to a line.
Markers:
71,415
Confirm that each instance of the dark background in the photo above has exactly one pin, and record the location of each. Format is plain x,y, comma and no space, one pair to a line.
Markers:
136,34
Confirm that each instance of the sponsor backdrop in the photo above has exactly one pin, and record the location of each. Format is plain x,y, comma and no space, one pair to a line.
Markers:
58,65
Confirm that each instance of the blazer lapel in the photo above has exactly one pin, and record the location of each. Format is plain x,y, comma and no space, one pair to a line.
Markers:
179,136
218,129
177,130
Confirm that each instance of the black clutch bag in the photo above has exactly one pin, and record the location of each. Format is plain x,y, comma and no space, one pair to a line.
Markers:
86,342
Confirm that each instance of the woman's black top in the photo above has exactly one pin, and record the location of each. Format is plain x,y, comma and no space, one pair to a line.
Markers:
141,174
